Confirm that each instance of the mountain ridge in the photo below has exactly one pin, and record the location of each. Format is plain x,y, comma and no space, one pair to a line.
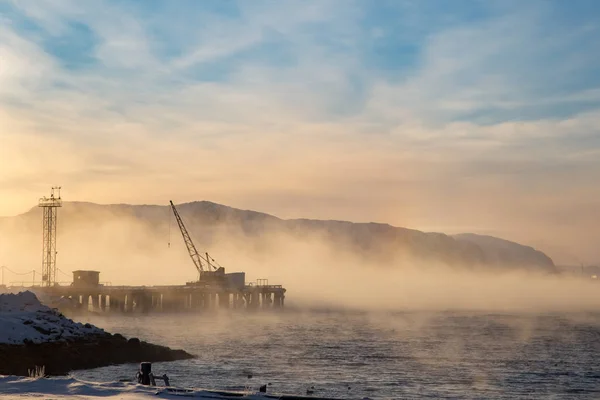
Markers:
381,242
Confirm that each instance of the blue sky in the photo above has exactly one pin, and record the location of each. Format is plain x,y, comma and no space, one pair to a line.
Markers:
447,114
511,60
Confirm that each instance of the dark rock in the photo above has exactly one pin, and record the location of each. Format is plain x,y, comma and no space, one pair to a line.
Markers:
59,358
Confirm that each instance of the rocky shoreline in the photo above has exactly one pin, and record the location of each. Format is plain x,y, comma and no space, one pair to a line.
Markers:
58,358
33,335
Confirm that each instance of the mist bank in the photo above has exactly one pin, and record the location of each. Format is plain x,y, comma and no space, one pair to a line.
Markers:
321,263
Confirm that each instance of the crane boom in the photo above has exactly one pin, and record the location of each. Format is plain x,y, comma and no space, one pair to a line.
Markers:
194,255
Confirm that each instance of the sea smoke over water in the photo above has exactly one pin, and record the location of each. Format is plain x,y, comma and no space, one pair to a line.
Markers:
458,354
318,273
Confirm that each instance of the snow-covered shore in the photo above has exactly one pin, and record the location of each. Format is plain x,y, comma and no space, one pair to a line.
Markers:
68,387
59,388
23,320
34,335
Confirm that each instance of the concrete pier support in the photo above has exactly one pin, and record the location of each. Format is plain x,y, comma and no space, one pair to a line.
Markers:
132,303
255,300
115,304
198,301
120,304
267,300
224,300
277,300
144,302
169,302
238,300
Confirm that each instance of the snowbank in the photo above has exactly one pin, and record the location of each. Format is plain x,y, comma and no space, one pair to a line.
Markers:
23,319
34,335
68,387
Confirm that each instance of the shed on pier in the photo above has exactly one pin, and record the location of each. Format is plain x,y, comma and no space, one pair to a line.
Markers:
82,278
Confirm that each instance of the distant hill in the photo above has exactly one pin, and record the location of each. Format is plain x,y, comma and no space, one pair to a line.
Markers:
501,252
379,241
208,222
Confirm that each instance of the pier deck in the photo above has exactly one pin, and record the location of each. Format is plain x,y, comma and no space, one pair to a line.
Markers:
145,299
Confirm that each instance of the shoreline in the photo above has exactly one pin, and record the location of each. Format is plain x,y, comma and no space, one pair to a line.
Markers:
59,358
34,336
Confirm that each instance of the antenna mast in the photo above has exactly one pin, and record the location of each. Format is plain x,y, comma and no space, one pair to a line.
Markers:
49,221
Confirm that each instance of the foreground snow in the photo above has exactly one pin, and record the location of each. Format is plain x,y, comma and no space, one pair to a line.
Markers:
71,388
67,387
23,318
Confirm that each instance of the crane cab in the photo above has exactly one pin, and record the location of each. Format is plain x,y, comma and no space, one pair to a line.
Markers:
213,278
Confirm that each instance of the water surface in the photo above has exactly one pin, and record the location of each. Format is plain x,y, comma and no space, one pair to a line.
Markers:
377,355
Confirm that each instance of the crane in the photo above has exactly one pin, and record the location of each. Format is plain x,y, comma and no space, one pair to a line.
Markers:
194,255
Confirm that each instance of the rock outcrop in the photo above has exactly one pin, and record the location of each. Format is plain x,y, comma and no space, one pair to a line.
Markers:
33,335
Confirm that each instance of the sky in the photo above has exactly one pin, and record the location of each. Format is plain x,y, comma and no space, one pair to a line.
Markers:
451,116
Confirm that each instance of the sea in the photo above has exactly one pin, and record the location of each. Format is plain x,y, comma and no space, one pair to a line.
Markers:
376,355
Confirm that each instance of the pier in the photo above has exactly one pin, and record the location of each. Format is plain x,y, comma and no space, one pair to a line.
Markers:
88,294
214,289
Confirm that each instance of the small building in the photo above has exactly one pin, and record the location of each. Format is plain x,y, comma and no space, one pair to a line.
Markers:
83,278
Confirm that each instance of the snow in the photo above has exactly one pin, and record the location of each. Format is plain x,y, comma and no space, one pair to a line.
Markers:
70,388
23,318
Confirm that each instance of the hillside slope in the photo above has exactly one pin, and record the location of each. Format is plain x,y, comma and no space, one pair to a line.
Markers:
500,252
101,229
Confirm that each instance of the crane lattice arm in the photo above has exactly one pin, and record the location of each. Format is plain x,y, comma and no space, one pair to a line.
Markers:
194,255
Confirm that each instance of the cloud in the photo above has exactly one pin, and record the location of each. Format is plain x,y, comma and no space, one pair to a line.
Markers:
496,69
479,116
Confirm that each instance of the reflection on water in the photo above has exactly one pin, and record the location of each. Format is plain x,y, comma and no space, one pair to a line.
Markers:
353,355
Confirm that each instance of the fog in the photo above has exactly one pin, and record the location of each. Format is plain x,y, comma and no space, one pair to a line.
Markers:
129,250
378,354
